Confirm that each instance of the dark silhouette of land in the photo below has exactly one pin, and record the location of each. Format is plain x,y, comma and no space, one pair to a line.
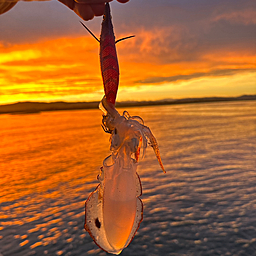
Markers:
35,107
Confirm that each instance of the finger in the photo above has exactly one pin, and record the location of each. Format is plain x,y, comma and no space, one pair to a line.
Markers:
92,1
123,1
6,6
98,9
68,3
84,11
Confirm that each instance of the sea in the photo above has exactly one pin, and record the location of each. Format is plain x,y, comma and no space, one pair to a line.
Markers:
205,204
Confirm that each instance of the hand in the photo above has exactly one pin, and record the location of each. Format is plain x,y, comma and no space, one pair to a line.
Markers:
87,9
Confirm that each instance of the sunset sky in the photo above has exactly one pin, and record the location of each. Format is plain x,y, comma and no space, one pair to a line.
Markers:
182,48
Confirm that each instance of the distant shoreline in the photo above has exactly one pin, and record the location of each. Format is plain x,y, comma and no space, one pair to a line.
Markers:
36,107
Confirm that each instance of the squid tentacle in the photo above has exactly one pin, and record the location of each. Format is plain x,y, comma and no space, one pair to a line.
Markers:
153,143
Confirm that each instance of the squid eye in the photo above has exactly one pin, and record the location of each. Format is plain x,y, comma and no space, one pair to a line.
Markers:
115,140
134,144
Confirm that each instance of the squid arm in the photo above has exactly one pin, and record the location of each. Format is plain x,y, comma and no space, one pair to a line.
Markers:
114,211
153,143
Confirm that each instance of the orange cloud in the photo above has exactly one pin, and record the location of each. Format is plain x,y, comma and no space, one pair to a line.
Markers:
68,68
157,64
246,17
49,69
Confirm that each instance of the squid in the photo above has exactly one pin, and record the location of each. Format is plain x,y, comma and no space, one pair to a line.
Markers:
114,210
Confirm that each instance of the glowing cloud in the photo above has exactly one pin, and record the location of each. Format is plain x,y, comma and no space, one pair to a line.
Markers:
204,43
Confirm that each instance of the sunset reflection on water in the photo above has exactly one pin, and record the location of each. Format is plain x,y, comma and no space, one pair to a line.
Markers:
40,151
203,204
46,160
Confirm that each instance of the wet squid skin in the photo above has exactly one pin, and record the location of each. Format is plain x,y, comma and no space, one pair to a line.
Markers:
114,211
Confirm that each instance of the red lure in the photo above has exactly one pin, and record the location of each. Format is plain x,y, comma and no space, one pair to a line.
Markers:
108,56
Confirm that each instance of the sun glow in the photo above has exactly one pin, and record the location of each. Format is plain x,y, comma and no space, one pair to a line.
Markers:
68,69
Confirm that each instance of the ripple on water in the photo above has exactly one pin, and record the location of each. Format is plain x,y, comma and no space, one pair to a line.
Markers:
204,205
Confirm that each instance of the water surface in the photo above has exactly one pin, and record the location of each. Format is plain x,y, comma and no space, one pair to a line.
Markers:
204,205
